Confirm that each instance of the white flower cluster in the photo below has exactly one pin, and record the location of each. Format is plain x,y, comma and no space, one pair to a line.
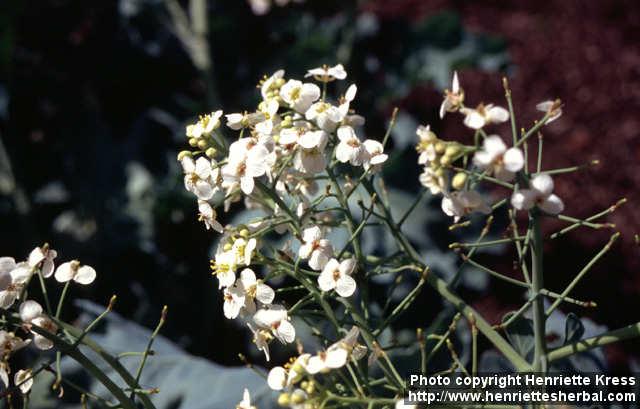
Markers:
282,147
296,377
14,279
491,158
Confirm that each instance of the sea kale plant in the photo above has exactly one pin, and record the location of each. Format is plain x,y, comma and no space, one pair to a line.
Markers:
297,160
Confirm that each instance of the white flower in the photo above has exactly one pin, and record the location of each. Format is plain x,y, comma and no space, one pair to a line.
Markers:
462,203
315,248
269,87
350,343
551,108
540,194
261,338
199,177
269,111
426,144
254,289
327,74
208,215
73,270
432,181
484,115
23,379
499,160
280,378
9,343
299,96
337,275
276,319
31,314
244,250
44,255
247,160
245,403
310,157
326,116
333,358
233,301
13,278
452,98
237,121
205,125
350,149
375,155
224,267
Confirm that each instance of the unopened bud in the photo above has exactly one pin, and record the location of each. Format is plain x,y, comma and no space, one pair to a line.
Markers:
459,180
210,152
446,160
284,399
183,154
244,233
297,398
202,144
193,142
440,147
452,150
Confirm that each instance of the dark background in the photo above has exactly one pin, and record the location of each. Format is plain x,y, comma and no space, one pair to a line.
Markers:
94,97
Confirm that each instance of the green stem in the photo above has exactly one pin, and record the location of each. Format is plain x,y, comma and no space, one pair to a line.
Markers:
621,334
539,363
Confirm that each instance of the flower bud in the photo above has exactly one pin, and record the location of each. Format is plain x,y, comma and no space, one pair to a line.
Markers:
446,160
183,154
459,180
193,142
244,233
202,144
297,398
227,247
311,388
452,150
211,152
284,399
440,148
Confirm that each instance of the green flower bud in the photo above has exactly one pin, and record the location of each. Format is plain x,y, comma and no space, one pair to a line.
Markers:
211,152
452,150
440,147
193,142
297,398
446,160
202,144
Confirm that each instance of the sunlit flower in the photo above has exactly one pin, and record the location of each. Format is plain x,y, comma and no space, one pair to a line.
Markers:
299,95
9,343
199,177
462,203
276,319
375,156
253,290
326,116
280,378
73,270
315,248
551,108
350,149
269,86
237,121
205,125
497,159
44,255
453,98
224,268
23,379
13,278
337,275
233,301
245,403
247,160
244,250
327,74
333,358
31,313
539,194
432,180
269,109
484,115
310,156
